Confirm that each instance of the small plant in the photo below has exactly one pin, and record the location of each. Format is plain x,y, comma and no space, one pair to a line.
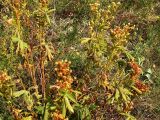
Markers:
104,50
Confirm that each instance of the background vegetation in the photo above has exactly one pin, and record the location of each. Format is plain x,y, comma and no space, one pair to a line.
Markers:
79,59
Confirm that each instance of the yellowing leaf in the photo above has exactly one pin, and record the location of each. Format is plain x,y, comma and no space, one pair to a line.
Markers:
27,118
68,105
122,94
127,92
48,19
19,93
85,40
64,110
137,90
71,97
117,95
49,52
15,39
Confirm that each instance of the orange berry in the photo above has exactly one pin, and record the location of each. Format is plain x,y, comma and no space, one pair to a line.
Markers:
55,69
10,21
60,74
69,62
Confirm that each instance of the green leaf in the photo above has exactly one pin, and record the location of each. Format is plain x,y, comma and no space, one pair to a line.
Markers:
52,108
117,95
27,118
19,93
29,101
123,94
112,100
39,109
71,97
52,10
86,114
64,110
48,52
15,39
92,106
85,40
127,92
68,105
23,45
137,90
48,19
46,112
77,92
128,116
124,97
1,94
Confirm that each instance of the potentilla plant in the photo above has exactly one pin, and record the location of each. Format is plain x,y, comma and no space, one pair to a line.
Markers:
27,23
106,47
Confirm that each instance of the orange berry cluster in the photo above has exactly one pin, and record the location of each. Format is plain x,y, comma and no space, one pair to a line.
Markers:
63,71
128,107
141,86
94,7
3,77
58,116
135,76
122,33
136,70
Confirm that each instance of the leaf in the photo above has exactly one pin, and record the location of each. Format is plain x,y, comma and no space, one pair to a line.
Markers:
49,52
137,90
124,97
32,88
153,18
29,101
1,94
15,39
86,114
149,71
117,95
148,76
46,112
77,92
27,118
64,110
48,19
92,106
19,93
112,100
22,45
123,94
127,92
68,105
128,116
71,97
39,109
52,10
52,108
85,40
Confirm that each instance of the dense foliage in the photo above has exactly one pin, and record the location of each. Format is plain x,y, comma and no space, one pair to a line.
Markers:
78,59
